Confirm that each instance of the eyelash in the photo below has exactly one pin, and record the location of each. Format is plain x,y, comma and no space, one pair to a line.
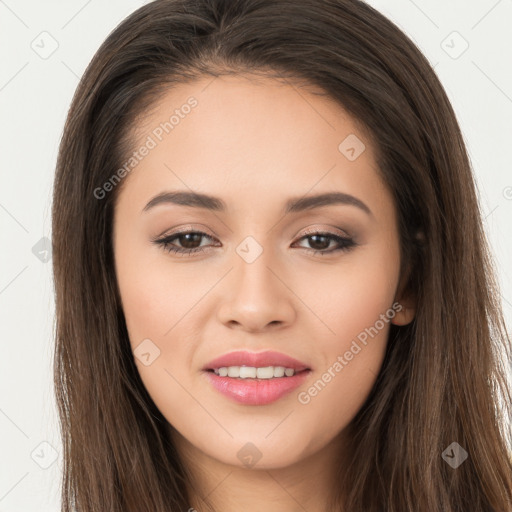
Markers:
345,243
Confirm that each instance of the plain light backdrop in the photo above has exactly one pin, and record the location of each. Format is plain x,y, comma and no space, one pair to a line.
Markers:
45,47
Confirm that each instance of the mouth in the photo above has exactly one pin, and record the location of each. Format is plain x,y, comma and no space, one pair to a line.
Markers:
245,389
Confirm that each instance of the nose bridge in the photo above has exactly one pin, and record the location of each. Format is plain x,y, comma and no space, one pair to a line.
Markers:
257,297
252,274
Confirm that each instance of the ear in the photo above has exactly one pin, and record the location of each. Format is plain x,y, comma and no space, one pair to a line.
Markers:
406,298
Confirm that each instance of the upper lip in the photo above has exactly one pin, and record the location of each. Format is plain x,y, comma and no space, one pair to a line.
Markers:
255,359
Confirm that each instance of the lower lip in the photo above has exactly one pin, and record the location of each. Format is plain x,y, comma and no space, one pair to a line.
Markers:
256,391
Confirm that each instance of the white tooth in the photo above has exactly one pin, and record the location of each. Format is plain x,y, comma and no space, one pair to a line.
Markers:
265,373
251,372
233,371
247,372
278,371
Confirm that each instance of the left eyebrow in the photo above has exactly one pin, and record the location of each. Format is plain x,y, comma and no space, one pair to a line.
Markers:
293,205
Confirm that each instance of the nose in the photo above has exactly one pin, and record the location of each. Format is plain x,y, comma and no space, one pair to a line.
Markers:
256,297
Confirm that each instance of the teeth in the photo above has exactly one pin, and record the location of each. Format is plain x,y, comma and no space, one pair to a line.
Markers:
250,372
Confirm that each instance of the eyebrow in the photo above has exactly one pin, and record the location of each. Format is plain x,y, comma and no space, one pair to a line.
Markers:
293,205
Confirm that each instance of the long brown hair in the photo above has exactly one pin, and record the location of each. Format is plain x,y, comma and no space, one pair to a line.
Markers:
443,379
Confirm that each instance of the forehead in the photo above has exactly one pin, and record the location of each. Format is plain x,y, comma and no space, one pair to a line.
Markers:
238,136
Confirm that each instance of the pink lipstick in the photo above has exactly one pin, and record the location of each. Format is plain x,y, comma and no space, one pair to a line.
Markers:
256,378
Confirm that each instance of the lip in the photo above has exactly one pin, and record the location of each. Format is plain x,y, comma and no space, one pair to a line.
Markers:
256,359
256,391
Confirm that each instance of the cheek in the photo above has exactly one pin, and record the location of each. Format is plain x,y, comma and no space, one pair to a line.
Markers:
156,306
357,308
350,295
160,300
155,294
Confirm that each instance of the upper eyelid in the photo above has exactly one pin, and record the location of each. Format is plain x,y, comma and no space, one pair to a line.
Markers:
334,230
309,232
186,229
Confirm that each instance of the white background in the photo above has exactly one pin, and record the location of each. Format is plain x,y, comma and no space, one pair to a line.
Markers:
35,94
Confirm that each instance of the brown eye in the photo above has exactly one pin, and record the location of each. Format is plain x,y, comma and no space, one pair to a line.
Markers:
188,241
320,242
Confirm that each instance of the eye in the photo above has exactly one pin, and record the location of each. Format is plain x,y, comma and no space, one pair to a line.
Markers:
189,239
322,240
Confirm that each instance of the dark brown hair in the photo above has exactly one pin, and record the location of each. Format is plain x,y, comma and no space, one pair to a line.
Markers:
443,378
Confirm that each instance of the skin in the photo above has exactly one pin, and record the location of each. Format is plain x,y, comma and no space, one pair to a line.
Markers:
254,144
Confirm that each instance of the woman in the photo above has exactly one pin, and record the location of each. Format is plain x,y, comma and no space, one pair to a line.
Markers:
273,288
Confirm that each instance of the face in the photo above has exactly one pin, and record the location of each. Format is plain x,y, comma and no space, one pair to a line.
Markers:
316,282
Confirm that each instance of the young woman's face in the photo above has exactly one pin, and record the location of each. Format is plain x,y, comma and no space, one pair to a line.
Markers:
258,284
